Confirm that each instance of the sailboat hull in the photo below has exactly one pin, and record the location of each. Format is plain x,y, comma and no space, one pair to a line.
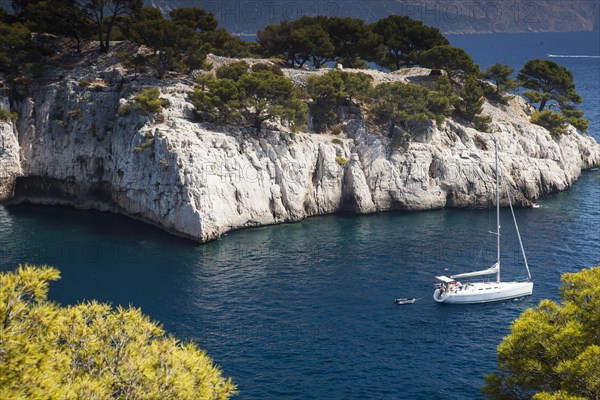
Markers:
483,292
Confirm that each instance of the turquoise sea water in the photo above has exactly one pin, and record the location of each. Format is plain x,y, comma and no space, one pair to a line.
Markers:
306,310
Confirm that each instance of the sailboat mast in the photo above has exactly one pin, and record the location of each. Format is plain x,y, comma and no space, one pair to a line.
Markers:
497,210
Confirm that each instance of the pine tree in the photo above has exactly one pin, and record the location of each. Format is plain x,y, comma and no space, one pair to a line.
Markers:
91,350
553,350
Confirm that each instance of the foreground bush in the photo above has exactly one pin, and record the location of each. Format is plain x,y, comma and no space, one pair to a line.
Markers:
553,350
92,351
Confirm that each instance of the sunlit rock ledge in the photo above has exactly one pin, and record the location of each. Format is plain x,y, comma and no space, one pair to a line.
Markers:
200,181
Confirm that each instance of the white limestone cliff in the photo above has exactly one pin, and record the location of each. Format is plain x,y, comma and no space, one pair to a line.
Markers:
199,181
10,166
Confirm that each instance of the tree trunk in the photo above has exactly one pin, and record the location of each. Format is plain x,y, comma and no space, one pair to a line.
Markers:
543,104
108,31
258,123
101,39
316,63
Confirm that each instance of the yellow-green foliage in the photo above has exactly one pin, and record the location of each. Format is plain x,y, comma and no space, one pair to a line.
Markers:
145,145
92,351
553,350
148,100
341,161
7,116
76,113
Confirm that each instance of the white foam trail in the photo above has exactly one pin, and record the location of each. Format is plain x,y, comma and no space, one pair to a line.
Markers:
567,56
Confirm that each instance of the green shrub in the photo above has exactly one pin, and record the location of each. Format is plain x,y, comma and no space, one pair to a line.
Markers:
276,69
148,100
341,161
553,121
482,123
233,71
250,99
454,60
472,101
124,110
336,130
574,116
471,104
408,106
336,141
8,116
499,75
84,83
218,100
333,90
76,113
145,145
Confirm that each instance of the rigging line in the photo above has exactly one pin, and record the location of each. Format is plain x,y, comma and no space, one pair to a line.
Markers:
518,234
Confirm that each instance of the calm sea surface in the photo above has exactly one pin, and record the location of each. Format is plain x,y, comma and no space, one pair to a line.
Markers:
305,310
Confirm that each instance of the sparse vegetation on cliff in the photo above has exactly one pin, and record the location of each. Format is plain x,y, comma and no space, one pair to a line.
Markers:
148,100
471,104
499,75
555,122
333,90
251,94
552,84
244,97
7,116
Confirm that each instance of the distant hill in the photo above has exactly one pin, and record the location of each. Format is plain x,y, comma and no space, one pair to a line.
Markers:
451,16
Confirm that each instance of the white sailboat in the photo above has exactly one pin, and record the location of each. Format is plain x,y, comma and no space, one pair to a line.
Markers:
449,290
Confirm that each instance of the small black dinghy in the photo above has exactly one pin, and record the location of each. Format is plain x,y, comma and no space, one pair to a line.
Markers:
405,300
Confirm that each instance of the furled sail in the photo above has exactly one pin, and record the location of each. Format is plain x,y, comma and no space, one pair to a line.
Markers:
492,270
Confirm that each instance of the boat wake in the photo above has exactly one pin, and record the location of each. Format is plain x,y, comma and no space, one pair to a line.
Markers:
569,56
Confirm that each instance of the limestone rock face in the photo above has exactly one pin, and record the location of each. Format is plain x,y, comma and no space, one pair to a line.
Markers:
10,166
198,181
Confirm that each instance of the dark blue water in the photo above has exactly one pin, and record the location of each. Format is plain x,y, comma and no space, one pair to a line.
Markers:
305,310
516,49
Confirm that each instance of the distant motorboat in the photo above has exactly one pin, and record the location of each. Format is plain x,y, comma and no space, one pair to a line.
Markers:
534,205
405,300
571,56
452,291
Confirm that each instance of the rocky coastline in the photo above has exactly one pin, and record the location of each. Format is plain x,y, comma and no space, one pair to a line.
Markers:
70,146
